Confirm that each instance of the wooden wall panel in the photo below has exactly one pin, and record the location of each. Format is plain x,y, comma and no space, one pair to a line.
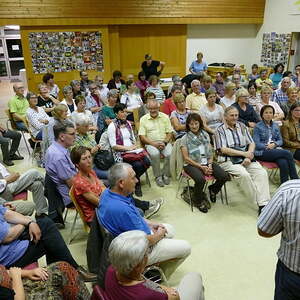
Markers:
62,78
131,9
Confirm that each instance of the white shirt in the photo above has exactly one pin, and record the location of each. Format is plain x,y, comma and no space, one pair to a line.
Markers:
111,132
4,174
65,103
227,102
33,116
132,101
103,93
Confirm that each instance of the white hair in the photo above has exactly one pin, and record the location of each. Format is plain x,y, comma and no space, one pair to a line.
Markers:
117,172
128,250
195,81
82,119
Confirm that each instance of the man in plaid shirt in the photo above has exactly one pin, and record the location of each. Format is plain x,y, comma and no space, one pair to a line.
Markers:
280,95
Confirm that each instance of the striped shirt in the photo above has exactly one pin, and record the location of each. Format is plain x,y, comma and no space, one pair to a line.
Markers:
231,138
282,214
280,97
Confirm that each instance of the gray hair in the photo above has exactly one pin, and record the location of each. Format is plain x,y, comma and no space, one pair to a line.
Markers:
176,78
112,93
175,88
67,89
92,83
241,92
117,172
195,81
61,127
128,250
74,82
82,120
40,85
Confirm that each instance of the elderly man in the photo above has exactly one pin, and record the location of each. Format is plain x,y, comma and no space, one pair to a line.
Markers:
18,106
236,80
13,183
23,241
156,133
84,82
94,102
282,215
235,148
58,163
196,99
118,214
237,70
280,96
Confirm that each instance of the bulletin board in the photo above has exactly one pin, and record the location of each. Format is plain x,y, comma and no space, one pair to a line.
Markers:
275,48
66,51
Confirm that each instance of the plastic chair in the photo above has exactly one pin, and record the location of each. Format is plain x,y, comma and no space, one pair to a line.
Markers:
98,293
14,127
78,212
157,268
270,166
21,196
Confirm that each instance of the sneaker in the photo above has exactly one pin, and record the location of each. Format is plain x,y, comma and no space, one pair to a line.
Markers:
166,180
138,190
153,208
159,181
8,163
16,157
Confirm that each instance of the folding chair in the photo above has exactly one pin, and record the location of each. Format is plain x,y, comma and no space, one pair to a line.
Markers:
36,141
14,127
78,211
156,267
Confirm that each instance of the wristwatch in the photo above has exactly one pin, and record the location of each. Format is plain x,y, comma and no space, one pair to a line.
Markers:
30,223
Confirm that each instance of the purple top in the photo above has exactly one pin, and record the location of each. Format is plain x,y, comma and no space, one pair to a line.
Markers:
60,168
9,253
146,290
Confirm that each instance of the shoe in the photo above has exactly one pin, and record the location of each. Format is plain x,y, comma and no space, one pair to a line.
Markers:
260,208
166,180
85,275
8,162
159,181
212,195
16,157
138,190
202,207
153,208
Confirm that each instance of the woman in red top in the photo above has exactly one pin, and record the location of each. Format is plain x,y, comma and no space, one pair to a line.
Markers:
87,187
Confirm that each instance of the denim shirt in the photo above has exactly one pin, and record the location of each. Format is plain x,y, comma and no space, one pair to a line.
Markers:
261,136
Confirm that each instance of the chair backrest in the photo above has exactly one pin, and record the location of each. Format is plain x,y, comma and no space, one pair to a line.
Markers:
79,210
136,119
98,293
10,119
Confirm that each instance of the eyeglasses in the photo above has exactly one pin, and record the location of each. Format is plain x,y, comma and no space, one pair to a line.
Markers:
70,133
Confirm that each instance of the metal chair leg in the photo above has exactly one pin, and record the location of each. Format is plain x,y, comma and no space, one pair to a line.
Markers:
66,214
190,196
147,179
225,191
179,185
26,144
72,228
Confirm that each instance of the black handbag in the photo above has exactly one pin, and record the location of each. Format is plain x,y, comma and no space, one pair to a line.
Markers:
104,159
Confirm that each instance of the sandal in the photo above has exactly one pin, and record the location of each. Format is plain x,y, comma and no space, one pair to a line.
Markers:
212,195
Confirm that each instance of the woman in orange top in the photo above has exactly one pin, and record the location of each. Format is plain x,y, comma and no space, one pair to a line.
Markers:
87,187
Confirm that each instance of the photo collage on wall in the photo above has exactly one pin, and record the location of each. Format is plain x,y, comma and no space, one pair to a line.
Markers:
275,48
66,51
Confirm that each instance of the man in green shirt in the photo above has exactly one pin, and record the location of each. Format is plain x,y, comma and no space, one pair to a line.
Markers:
18,105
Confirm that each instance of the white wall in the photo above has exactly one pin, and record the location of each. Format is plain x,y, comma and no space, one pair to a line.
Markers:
240,44
221,43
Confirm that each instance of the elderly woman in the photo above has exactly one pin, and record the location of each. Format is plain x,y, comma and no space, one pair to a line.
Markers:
87,187
198,66
247,114
75,84
53,89
36,116
80,110
265,95
128,254
229,97
58,281
68,100
45,100
198,162
156,89
84,138
292,94
178,117
116,82
253,99
211,113
268,142
142,84
131,99
122,141
290,131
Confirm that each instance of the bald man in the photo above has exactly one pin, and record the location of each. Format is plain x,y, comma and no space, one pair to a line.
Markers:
18,106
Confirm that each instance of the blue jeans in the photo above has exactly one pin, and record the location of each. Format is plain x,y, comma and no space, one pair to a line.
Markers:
51,244
21,126
39,136
284,160
101,174
287,283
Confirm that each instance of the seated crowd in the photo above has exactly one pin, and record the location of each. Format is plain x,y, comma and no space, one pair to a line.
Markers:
98,141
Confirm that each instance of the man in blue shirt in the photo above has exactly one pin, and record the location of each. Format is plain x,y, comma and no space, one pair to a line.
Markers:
23,241
117,213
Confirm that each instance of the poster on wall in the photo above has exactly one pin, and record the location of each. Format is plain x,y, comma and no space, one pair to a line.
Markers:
275,48
294,7
66,51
